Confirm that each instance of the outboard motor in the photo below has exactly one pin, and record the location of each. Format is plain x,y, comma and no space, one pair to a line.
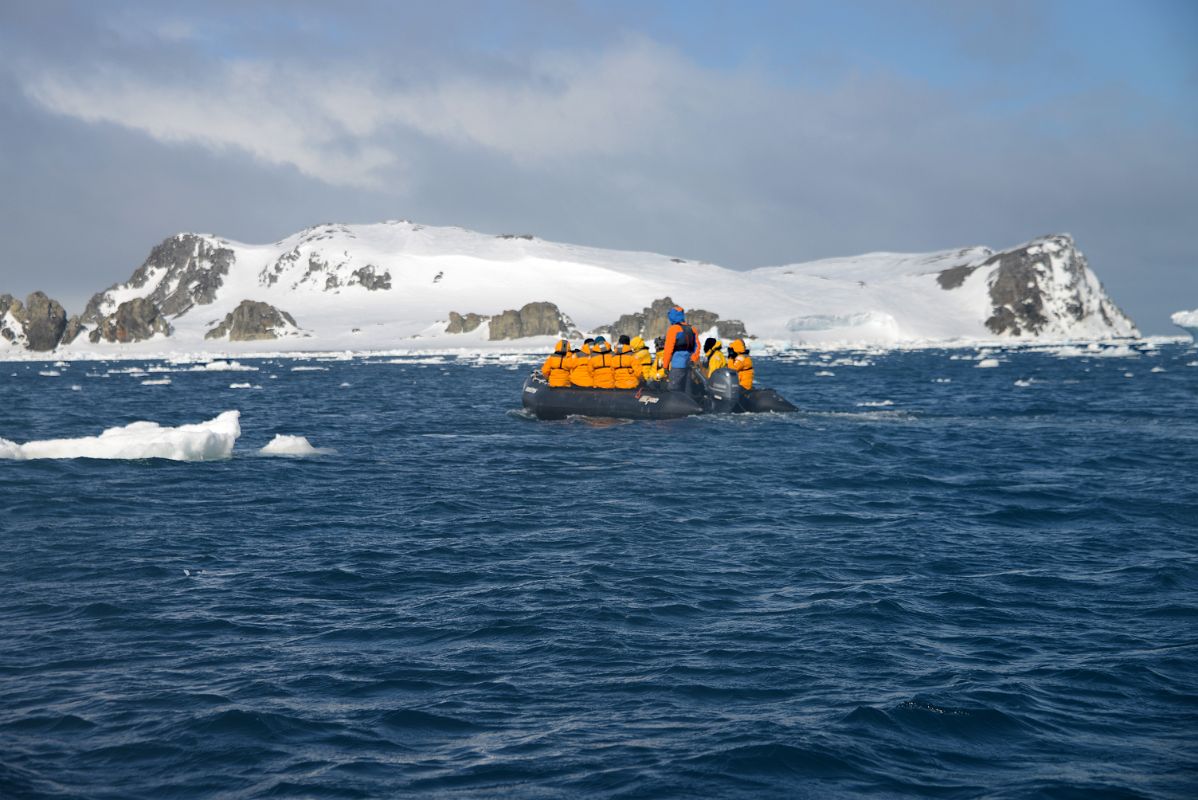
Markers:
722,392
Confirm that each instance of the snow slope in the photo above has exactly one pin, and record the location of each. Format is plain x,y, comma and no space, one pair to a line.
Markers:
391,286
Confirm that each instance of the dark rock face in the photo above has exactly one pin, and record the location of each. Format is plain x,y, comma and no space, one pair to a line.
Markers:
651,322
73,329
40,320
133,321
464,324
187,271
369,278
45,321
252,321
954,278
533,319
10,305
1042,282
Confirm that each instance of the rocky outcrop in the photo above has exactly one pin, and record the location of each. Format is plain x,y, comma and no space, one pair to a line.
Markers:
1044,286
186,270
653,321
253,321
37,324
459,323
531,319
73,329
133,321
370,279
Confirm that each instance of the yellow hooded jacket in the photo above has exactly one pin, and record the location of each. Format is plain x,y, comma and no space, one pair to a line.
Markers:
627,368
715,358
555,367
603,362
742,363
579,364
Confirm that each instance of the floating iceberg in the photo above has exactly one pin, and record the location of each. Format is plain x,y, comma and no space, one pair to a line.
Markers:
284,445
203,441
1187,320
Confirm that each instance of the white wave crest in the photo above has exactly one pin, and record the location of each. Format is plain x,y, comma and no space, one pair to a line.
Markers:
203,441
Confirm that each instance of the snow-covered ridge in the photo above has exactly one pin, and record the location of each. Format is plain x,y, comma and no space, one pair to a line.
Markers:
392,285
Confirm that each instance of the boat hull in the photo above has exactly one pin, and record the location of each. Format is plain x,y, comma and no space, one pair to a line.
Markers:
558,402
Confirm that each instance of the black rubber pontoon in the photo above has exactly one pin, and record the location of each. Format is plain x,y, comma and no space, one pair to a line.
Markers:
760,401
559,402
721,393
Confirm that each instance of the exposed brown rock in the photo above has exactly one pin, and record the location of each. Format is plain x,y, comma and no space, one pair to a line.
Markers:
252,321
133,321
459,323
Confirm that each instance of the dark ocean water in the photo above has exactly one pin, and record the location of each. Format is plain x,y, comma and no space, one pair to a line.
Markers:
975,589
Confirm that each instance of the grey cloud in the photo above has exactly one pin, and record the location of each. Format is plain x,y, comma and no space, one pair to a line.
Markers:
617,142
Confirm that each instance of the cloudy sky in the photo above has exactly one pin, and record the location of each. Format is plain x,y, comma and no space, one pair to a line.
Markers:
744,133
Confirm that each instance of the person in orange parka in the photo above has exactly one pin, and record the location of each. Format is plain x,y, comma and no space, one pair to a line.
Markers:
682,347
740,362
554,368
627,366
603,362
579,364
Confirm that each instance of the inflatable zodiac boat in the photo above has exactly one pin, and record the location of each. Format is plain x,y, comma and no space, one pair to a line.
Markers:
719,394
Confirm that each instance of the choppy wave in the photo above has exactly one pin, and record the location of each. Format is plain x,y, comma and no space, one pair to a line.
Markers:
980,590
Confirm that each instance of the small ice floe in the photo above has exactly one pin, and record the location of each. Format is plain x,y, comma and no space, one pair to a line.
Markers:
875,404
1129,374
309,369
986,363
344,386
157,382
202,441
1192,364
76,387
1158,369
49,373
823,373
284,445
1023,383
62,364
223,366
942,380
243,386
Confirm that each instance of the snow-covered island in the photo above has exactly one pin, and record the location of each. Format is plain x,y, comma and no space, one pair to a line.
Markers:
404,286
1187,320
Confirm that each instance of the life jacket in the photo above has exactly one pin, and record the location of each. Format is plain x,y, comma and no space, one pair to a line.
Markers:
603,362
627,369
681,338
580,367
555,367
685,339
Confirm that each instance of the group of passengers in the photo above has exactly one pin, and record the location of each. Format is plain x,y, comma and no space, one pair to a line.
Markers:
596,364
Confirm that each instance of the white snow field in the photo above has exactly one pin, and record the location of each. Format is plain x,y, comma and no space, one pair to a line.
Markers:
203,441
321,276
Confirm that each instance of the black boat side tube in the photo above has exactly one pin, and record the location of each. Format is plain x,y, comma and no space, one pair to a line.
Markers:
559,402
